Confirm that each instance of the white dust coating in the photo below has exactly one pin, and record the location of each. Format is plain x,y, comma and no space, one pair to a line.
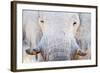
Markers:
54,35
58,42
85,30
85,34
31,33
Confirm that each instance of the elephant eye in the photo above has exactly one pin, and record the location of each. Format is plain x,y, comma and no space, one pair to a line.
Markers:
74,23
42,21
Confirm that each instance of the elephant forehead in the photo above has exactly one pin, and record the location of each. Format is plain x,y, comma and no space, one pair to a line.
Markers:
57,18
58,21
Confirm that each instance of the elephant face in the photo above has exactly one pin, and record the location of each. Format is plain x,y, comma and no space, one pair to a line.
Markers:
53,34
58,40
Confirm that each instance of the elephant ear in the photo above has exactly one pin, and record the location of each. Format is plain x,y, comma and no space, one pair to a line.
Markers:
84,31
32,32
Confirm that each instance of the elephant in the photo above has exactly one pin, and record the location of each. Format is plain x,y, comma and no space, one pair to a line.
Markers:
57,36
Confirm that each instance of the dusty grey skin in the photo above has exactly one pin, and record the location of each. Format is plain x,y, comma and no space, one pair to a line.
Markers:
85,31
84,34
58,42
57,48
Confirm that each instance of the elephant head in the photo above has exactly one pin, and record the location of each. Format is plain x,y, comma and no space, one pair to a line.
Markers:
59,36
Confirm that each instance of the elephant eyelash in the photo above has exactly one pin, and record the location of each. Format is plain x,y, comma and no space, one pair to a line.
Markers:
74,23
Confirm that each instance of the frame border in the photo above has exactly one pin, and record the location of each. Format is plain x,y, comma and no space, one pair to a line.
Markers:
14,35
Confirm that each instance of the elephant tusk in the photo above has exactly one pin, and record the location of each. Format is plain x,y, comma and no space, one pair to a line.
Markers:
81,53
31,52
